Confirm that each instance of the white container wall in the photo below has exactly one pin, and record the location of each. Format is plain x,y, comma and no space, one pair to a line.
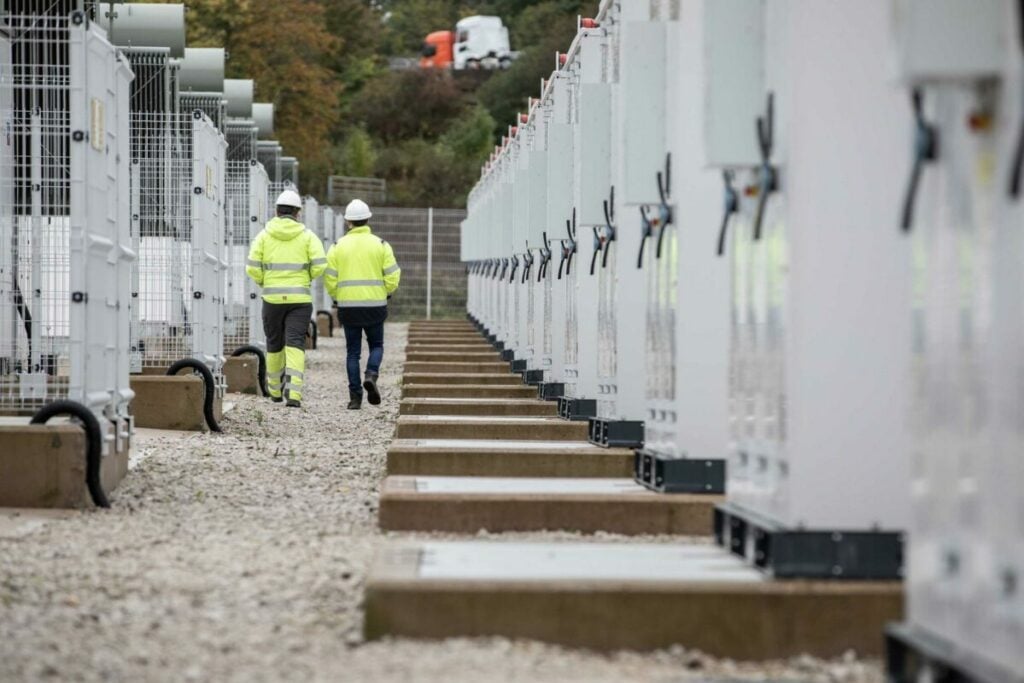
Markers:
65,280
965,553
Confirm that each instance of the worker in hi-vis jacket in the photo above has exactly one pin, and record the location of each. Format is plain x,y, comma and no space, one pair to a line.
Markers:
284,259
361,275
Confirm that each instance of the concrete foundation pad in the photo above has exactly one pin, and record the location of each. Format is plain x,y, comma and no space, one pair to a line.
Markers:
242,375
43,466
489,427
478,406
445,356
417,390
324,327
469,504
171,403
467,378
609,597
457,368
481,458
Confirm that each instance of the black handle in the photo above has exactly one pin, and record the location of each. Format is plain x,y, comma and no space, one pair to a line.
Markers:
732,205
607,248
1017,164
664,192
661,238
926,150
597,250
767,180
645,221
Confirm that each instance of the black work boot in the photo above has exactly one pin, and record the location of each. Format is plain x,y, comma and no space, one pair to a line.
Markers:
370,384
355,401
293,403
276,399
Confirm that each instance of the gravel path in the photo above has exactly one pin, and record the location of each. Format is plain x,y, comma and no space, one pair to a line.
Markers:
240,556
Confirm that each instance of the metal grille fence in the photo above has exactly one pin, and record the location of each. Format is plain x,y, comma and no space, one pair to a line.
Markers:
246,213
427,247
63,203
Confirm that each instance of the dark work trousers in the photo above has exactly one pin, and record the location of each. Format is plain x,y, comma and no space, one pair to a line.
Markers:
354,345
285,326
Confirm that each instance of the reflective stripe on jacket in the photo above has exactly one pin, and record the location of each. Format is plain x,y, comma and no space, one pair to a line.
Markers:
361,270
284,259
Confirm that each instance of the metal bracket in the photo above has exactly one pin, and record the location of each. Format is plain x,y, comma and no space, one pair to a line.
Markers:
533,377
576,409
550,391
678,475
616,433
518,366
808,553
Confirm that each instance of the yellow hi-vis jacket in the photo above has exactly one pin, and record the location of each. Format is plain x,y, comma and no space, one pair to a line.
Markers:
284,259
361,270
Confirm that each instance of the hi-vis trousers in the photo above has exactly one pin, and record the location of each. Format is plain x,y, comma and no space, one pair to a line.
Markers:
285,326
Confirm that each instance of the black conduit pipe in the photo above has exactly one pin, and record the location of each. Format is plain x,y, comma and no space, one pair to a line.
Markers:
93,442
210,389
261,361
330,322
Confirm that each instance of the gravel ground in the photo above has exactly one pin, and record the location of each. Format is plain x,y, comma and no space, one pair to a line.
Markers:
241,556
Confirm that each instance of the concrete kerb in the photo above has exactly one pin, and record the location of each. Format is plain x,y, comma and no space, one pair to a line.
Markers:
456,368
416,389
626,596
242,375
501,407
43,466
470,427
506,378
175,403
586,505
473,458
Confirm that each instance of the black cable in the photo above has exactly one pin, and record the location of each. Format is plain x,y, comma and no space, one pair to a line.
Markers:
1018,157
261,364
93,442
645,221
766,175
208,385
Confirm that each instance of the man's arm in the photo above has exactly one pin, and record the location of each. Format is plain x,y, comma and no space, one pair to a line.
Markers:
331,272
254,265
392,273
317,259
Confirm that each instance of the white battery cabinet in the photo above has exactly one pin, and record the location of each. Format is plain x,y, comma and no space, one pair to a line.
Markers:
592,181
642,77
818,475
686,425
965,551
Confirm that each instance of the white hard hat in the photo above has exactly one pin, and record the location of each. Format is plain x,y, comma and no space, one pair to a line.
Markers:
289,198
357,210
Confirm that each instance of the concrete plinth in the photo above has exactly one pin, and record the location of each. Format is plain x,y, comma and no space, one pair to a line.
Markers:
486,427
480,458
478,406
242,375
43,466
417,390
609,597
323,327
426,347
506,378
455,357
457,368
171,403
469,504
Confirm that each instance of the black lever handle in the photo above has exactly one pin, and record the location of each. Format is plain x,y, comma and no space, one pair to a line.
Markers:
665,216
926,151
515,267
648,229
767,177
609,227
597,250
732,205
1017,164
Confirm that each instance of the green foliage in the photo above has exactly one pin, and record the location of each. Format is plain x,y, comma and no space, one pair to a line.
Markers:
324,64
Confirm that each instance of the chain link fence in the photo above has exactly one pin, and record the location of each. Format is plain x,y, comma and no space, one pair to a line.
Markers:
427,247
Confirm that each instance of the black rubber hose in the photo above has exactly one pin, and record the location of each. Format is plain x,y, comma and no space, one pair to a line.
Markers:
330,322
209,388
261,362
93,442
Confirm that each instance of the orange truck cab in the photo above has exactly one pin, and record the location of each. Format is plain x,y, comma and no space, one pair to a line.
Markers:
437,50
